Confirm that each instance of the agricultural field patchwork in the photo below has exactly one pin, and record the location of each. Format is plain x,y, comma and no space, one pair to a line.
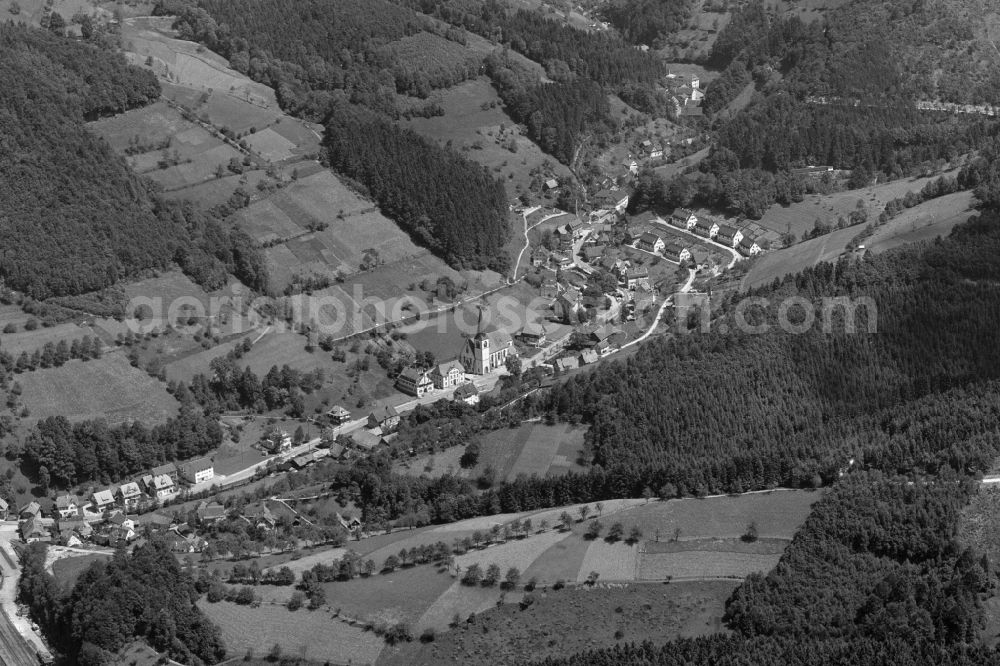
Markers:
106,388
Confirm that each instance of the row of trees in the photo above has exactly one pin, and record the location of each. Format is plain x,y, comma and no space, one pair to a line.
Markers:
51,355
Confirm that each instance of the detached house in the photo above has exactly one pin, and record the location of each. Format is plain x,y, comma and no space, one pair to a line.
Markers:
281,442
446,375
386,418
170,469
66,506
682,218
707,228
533,334
676,252
467,393
748,247
728,235
162,487
650,242
102,500
539,256
198,470
338,415
210,512
632,277
412,381
32,530
129,495
612,200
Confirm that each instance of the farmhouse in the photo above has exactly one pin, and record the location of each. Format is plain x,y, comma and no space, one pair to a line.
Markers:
676,252
446,375
728,235
568,305
198,470
170,469
650,242
592,253
366,439
706,227
412,381
66,506
102,499
533,334
487,351
699,257
338,415
588,356
655,152
683,218
259,515
385,418
129,495
551,184
748,247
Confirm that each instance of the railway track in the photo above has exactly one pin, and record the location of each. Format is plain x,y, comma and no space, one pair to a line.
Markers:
14,650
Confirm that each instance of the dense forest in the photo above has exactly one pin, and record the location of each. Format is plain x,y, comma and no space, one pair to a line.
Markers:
446,202
62,454
875,576
647,21
73,218
144,594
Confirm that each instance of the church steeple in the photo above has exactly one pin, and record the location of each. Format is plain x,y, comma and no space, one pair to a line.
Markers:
480,332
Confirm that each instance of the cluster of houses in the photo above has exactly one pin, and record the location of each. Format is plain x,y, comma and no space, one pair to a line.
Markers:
703,226
110,509
686,94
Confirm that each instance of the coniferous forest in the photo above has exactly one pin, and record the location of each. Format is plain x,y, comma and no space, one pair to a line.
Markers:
73,218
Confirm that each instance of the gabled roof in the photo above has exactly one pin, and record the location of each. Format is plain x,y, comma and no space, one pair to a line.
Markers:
533,328
64,502
588,356
162,482
129,490
650,238
169,468
197,465
705,223
747,241
726,230
674,248
211,511
32,508
338,410
443,369
384,412
414,375
681,213
104,496
637,272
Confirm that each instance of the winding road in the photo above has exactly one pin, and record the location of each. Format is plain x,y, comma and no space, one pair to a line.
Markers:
663,308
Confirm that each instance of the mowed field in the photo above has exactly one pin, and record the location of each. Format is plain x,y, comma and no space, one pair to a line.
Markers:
354,226
316,635
199,153
529,449
801,217
930,219
476,133
29,341
186,63
106,388
572,620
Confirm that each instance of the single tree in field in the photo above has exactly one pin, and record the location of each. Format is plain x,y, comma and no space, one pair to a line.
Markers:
616,532
391,563
592,578
647,493
751,533
543,525
495,532
492,575
677,534
584,512
477,538
594,529
512,578
635,534
566,520
526,526
473,575
599,507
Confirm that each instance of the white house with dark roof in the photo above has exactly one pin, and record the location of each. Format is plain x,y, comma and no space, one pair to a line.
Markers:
728,235
198,470
676,252
66,506
339,415
162,487
415,382
683,218
749,247
650,242
707,227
